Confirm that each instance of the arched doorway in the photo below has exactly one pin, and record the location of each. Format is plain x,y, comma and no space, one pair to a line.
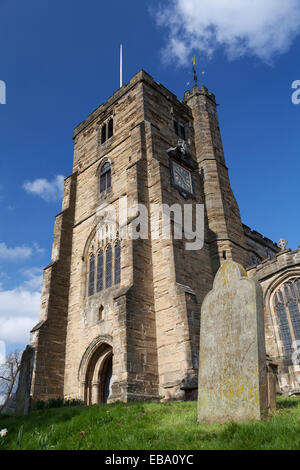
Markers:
99,375
106,379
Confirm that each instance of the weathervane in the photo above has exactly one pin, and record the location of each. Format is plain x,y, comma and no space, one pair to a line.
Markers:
194,71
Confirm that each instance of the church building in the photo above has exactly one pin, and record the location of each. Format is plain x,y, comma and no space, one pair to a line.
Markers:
120,315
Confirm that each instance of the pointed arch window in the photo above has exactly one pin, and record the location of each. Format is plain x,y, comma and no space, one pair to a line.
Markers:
108,280
92,275
118,262
287,309
100,272
103,267
105,177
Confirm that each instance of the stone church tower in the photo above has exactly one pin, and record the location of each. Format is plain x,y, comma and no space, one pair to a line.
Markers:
120,315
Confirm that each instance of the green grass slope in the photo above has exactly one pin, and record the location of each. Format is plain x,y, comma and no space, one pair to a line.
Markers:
148,426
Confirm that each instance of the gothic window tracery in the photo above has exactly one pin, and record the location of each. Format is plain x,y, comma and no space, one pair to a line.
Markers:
286,302
108,282
91,275
100,271
118,262
104,265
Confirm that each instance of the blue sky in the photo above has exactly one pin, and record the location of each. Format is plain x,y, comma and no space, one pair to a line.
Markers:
60,60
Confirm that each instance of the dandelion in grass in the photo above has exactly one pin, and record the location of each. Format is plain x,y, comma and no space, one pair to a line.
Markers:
84,433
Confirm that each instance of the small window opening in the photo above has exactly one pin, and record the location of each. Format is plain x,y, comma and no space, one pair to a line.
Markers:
182,131
175,123
100,315
179,129
103,134
105,177
110,128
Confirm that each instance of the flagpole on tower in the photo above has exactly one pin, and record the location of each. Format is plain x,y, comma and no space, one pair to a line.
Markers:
121,65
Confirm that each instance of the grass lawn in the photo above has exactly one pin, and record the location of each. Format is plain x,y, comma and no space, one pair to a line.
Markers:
148,426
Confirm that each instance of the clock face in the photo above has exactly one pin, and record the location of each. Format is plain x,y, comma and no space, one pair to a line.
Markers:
182,178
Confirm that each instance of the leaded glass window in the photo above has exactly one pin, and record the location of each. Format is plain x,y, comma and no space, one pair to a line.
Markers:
287,309
297,284
92,275
103,268
117,263
295,317
105,177
100,272
285,333
109,267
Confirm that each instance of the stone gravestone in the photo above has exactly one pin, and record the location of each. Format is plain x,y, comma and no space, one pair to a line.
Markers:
232,367
23,398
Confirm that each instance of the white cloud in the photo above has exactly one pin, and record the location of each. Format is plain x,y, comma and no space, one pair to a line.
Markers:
34,278
47,190
3,278
16,330
38,249
2,352
18,253
14,254
262,28
19,308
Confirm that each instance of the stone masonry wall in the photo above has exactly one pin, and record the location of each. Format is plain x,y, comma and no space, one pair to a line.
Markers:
49,336
181,278
129,312
260,247
226,236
